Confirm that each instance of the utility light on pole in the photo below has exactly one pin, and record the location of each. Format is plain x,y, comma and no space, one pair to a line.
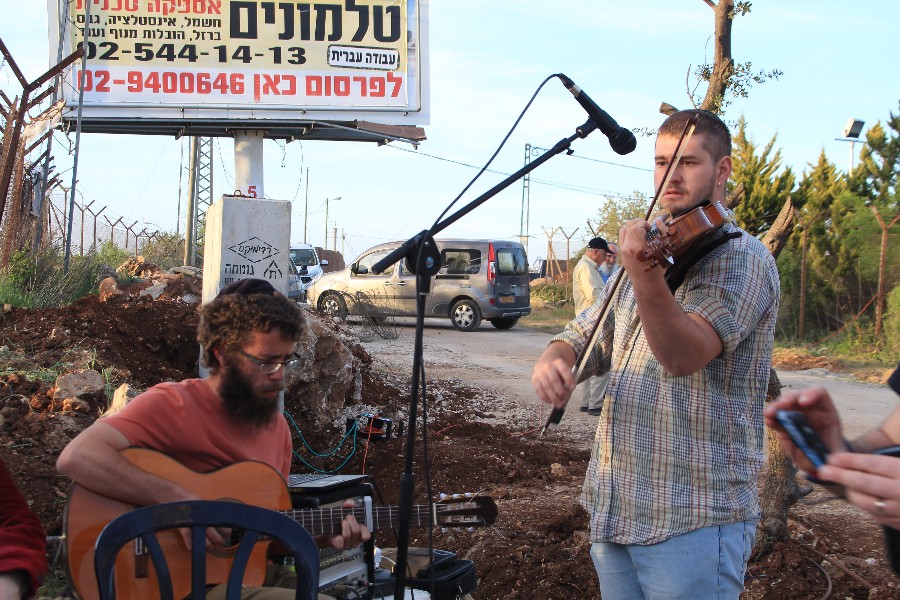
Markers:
325,241
851,133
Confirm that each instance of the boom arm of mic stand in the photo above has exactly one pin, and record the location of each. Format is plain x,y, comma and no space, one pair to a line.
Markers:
561,146
422,282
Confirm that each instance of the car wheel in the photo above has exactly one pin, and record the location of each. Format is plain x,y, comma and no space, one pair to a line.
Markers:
504,322
465,315
332,304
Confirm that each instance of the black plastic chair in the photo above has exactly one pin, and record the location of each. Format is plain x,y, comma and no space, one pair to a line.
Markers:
198,515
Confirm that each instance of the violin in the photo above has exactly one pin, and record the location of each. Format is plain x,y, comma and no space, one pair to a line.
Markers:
681,233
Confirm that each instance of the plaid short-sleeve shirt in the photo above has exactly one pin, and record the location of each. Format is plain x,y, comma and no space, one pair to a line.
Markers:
675,454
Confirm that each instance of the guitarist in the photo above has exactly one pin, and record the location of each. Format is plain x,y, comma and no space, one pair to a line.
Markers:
248,335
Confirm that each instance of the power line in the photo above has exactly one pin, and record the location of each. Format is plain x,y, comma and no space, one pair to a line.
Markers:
547,182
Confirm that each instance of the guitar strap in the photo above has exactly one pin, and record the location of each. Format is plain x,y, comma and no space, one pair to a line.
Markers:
676,273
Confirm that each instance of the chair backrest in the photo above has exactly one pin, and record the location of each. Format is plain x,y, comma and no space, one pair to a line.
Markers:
198,515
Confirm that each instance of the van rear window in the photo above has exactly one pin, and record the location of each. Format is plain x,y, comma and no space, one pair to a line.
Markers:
460,262
511,261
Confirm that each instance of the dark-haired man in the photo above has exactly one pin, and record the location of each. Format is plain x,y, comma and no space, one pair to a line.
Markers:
671,485
248,335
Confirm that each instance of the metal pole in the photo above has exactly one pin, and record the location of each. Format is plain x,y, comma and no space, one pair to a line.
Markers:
190,213
46,167
306,205
81,76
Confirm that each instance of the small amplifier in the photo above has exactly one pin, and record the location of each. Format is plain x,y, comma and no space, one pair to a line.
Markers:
374,428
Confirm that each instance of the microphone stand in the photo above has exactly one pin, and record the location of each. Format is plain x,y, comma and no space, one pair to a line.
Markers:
421,251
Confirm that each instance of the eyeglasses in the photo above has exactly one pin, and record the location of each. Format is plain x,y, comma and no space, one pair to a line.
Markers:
267,368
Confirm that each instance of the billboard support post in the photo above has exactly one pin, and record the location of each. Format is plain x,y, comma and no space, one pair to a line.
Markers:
248,163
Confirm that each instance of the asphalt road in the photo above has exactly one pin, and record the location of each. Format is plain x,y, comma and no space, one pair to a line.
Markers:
503,360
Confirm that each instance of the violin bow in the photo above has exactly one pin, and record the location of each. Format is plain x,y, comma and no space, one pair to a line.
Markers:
580,361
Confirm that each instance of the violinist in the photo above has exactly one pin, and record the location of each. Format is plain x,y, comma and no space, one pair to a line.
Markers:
671,487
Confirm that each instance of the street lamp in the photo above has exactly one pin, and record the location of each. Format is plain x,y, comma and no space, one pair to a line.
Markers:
327,200
851,133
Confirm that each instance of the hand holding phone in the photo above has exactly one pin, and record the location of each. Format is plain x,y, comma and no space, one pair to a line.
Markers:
803,436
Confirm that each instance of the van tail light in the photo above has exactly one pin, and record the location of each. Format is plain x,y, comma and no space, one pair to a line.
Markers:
492,264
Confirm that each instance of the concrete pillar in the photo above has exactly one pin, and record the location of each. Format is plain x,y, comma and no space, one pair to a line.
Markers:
248,163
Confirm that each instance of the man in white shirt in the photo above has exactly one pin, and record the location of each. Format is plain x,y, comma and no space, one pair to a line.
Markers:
587,286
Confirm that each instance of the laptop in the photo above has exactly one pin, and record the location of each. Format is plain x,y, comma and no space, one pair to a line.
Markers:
319,482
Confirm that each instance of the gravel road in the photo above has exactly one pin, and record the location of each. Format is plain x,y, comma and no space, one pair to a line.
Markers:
502,361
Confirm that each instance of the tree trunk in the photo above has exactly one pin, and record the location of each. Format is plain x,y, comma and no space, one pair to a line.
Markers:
879,302
723,64
779,490
777,236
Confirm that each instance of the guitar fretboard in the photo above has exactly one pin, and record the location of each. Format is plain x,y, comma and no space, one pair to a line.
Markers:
327,521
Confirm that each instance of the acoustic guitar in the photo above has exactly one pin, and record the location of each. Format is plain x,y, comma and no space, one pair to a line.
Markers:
249,482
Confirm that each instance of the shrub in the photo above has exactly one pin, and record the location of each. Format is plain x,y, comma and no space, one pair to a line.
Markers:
40,280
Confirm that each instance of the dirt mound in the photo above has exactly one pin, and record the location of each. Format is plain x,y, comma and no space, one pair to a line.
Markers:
794,360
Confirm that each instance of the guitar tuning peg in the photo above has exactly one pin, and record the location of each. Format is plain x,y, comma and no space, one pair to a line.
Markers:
442,496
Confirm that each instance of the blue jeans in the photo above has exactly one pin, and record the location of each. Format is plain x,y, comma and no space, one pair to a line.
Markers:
701,564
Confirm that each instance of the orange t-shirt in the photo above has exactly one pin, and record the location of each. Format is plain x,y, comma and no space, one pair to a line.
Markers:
186,421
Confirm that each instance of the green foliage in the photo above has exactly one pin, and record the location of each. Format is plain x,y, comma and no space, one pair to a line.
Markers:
39,281
165,250
875,178
550,293
766,185
111,254
743,77
892,323
613,214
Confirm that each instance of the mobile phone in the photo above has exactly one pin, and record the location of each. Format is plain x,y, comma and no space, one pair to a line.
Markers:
803,436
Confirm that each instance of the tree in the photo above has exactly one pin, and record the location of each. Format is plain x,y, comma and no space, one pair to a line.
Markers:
725,79
765,189
780,490
613,214
814,247
876,180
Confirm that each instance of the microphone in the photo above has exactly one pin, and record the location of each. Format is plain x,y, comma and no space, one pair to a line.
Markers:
620,139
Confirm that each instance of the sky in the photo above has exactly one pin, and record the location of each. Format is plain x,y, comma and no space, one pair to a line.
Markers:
486,60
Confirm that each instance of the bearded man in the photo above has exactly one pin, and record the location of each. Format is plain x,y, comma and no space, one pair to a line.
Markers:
248,335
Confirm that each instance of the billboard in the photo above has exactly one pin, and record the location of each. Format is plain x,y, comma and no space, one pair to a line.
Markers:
246,59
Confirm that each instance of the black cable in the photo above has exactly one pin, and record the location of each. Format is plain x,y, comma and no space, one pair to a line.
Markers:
493,156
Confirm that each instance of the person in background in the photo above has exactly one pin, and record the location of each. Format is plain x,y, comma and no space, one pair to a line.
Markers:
869,481
587,285
671,486
248,335
23,543
609,267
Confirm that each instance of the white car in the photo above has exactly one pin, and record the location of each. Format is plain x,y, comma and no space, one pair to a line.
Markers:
308,270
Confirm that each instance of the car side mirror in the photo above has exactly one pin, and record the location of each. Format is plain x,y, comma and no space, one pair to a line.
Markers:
359,270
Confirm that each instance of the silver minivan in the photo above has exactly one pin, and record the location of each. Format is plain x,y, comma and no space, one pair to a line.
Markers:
479,279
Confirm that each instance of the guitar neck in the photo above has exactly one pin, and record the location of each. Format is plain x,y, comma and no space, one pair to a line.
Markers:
327,521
